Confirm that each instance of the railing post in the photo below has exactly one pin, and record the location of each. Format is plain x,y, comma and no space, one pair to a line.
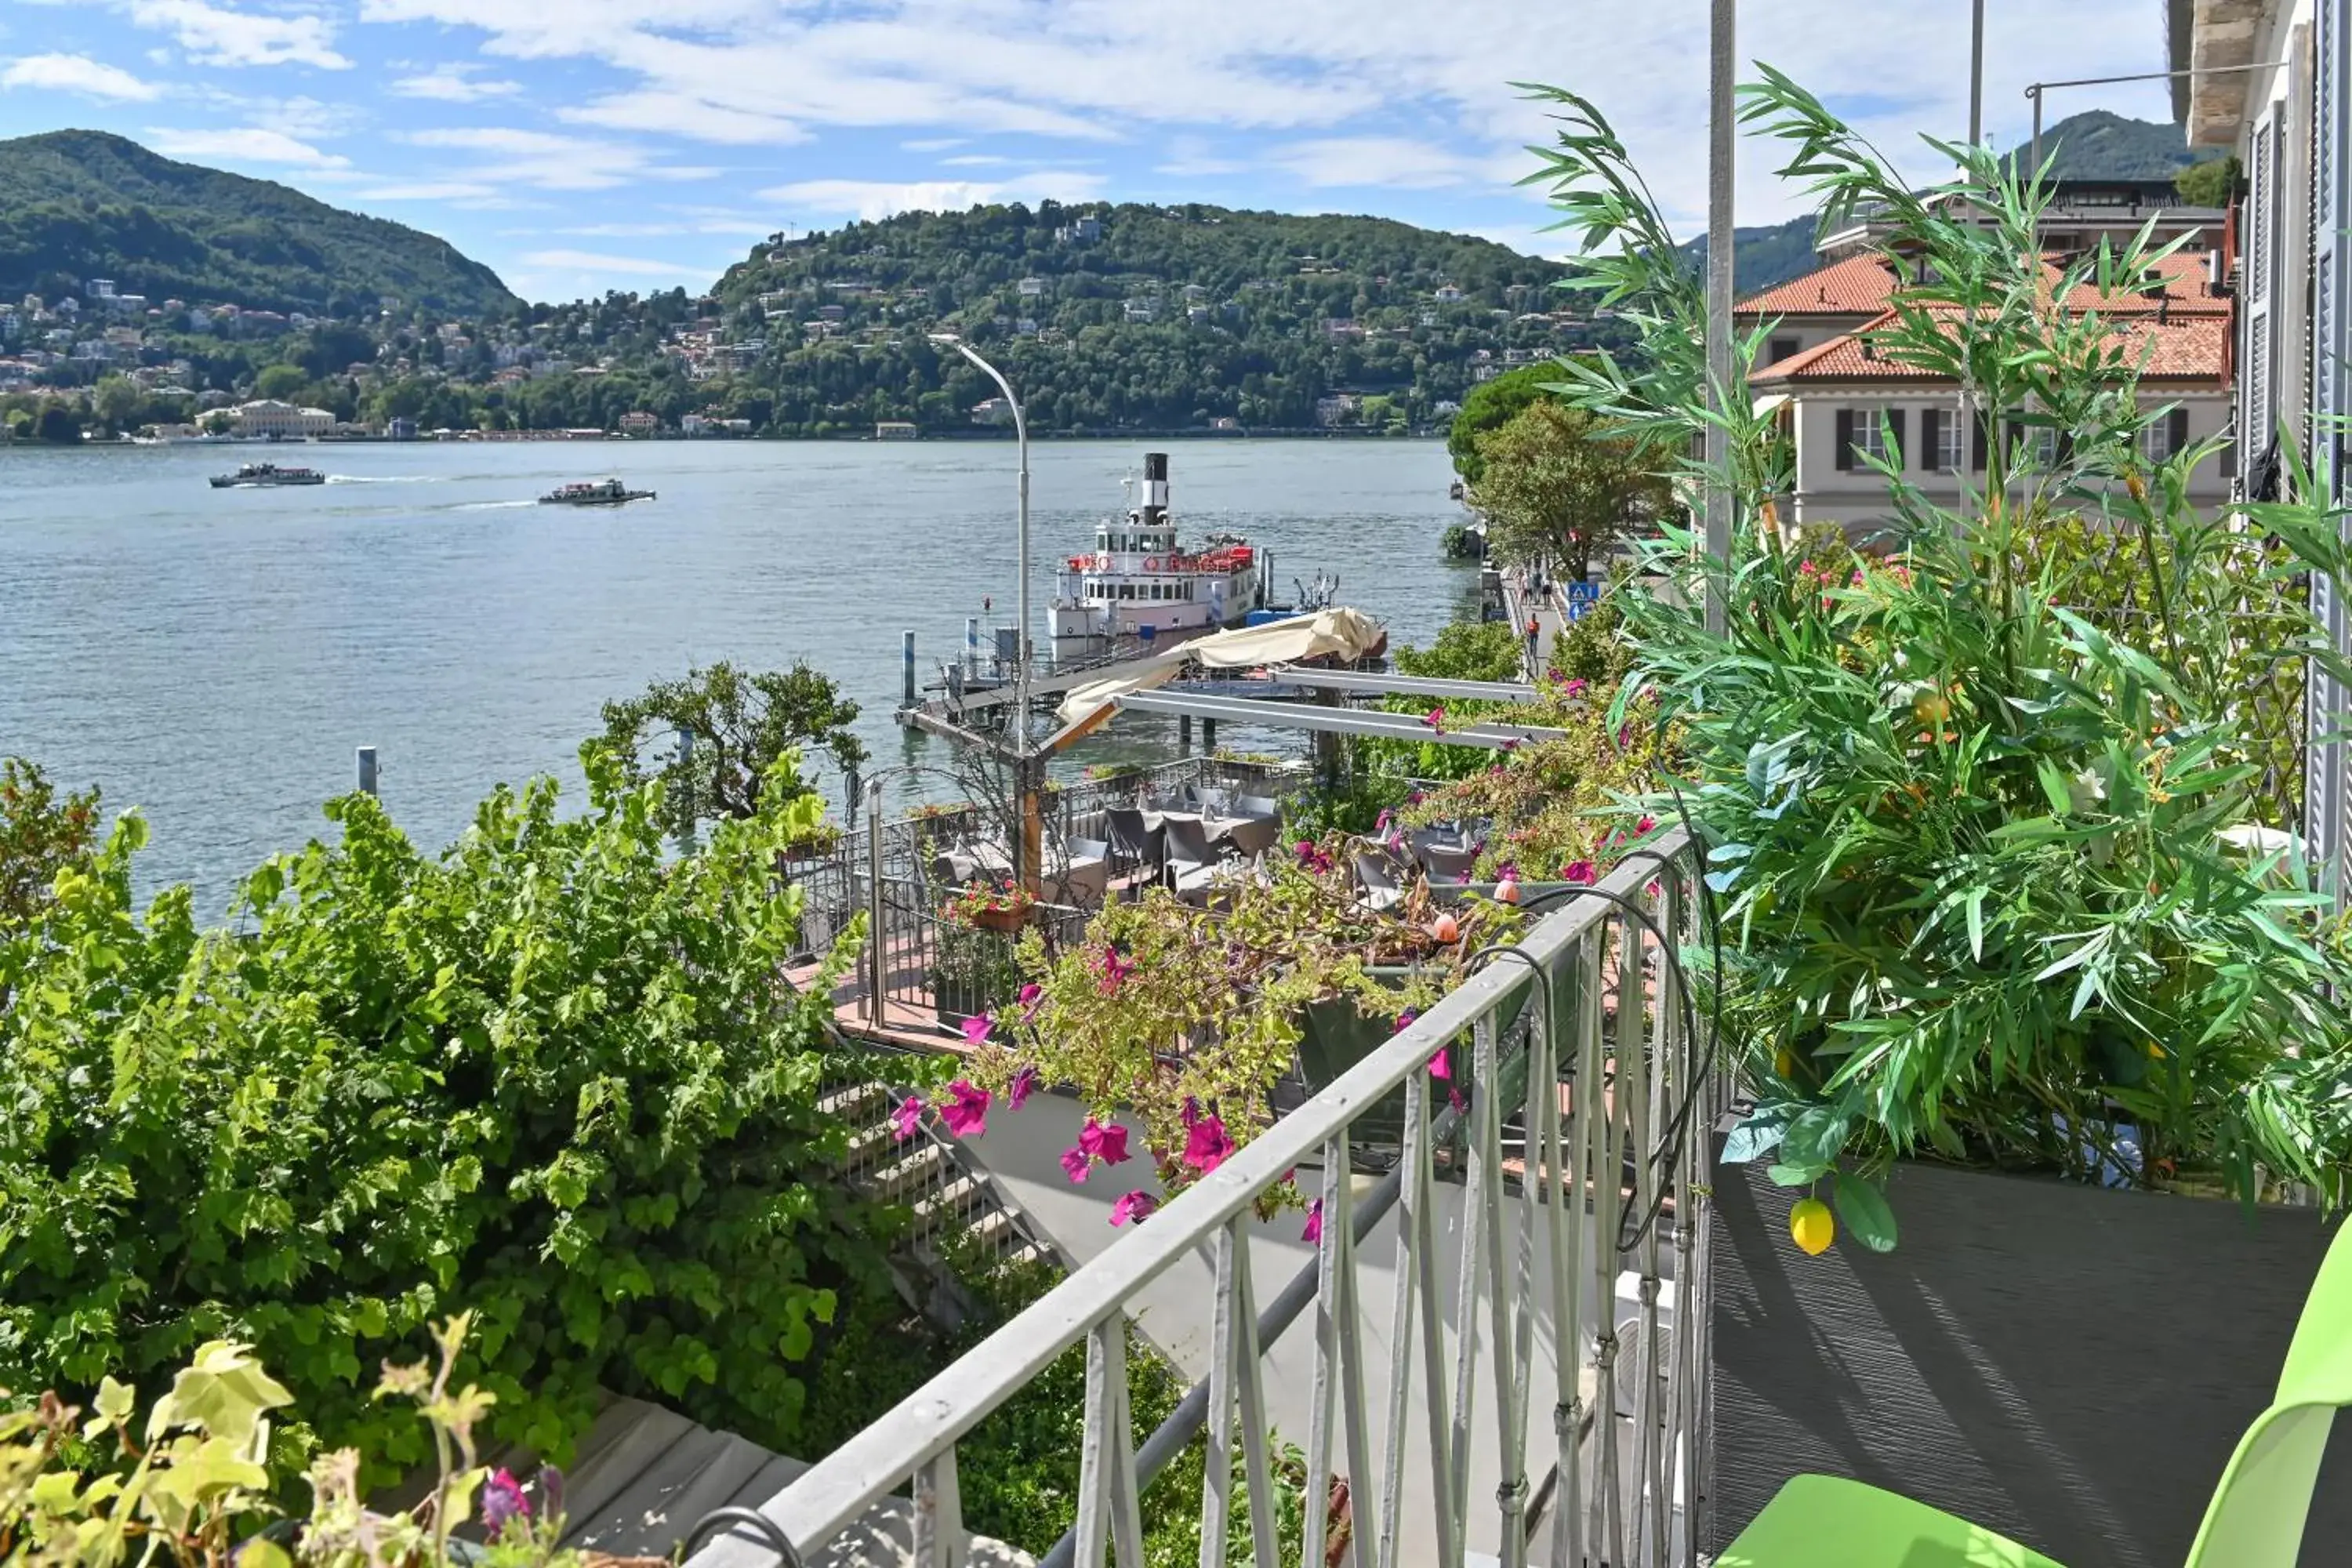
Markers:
1109,1512
939,1538
874,904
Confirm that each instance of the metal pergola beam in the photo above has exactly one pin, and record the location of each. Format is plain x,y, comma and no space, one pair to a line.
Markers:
1378,685
1330,720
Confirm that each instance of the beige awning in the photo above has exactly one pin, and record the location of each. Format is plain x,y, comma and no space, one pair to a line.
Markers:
1340,633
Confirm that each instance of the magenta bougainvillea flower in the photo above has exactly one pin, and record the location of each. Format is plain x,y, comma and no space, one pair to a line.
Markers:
1115,971
966,1112
1030,996
502,1499
1207,1147
1442,1064
1435,719
1573,689
1134,1205
976,1029
1076,1164
908,1117
1404,1019
1025,1082
1644,825
1314,1231
1577,871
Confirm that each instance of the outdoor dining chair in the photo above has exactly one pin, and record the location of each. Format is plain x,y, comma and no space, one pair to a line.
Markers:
1132,843
1257,806
1188,842
1377,875
2255,1521
1253,836
1448,862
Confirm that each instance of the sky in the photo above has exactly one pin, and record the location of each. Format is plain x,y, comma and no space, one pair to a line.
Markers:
580,145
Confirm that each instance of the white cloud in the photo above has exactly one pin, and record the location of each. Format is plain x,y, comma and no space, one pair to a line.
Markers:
975,160
217,36
933,144
427,191
871,199
452,82
1394,160
243,144
78,73
1333,81
514,156
598,261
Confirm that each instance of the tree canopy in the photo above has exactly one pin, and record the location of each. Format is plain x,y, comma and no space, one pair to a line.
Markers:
1558,486
742,723
1491,405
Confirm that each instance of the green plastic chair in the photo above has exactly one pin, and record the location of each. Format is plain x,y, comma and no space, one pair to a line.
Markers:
2255,1520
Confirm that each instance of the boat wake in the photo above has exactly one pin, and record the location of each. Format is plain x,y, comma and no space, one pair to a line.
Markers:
490,505
381,478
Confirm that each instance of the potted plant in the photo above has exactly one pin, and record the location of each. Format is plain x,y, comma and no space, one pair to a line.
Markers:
2014,951
998,907
973,970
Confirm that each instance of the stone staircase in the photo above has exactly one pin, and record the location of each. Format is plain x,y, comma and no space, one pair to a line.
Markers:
952,1205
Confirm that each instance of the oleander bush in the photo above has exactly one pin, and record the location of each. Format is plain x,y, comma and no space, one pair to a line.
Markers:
551,1078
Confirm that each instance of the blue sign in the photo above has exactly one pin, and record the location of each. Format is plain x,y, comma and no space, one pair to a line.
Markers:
1581,598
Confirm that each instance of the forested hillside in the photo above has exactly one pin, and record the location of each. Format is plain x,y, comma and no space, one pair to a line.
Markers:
76,205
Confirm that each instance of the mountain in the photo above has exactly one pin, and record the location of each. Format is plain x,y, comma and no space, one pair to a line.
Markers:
1135,316
83,204
2098,145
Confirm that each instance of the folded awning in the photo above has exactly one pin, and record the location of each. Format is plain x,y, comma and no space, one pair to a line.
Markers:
1340,633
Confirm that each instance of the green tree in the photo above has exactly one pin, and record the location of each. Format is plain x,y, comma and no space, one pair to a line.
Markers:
741,721
2211,184
58,424
1491,405
119,402
1557,486
41,834
551,1078
282,382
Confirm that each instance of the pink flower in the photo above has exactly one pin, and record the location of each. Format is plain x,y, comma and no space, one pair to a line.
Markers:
1404,1019
976,1029
1577,871
1029,998
1435,718
1024,1083
1454,1096
502,1499
1114,969
1573,689
1207,1147
1076,1164
1644,825
1135,1205
1440,1066
1508,745
1381,823
1105,1141
908,1117
1314,1231
966,1114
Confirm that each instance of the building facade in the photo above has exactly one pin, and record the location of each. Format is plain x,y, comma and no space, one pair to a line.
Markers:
266,419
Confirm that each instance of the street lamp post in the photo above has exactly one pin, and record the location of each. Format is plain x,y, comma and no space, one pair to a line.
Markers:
1022,852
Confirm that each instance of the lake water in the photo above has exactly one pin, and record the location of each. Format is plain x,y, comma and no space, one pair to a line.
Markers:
214,657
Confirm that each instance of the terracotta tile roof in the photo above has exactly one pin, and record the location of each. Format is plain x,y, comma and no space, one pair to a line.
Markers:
1864,284
2187,347
1858,286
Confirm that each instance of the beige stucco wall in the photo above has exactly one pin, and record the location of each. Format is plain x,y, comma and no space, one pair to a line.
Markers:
1826,494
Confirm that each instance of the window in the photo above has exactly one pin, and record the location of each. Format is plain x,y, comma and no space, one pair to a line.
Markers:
1943,432
1871,434
1781,349
2165,439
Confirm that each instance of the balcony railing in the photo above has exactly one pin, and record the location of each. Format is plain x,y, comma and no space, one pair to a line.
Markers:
1543,1207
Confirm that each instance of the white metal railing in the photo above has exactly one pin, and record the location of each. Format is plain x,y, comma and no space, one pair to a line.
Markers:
1612,1157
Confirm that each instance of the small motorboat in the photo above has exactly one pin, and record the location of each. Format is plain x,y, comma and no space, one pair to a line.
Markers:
258,476
593,492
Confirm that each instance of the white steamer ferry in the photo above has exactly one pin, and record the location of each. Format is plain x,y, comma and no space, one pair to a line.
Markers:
1139,582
